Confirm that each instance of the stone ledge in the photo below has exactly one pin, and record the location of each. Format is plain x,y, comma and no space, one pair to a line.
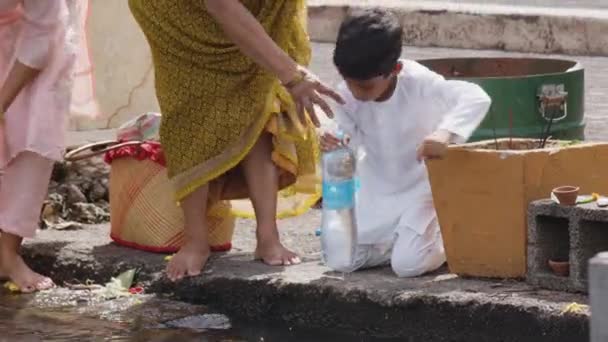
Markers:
478,26
438,307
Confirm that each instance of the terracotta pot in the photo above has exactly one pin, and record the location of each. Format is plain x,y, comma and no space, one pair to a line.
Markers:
560,267
566,194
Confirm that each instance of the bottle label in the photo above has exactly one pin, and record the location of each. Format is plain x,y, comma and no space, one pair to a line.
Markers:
339,195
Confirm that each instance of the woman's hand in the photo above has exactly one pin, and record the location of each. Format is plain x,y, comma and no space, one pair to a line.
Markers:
307,90
251,38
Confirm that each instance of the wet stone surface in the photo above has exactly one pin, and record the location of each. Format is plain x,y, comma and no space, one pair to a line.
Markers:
71,315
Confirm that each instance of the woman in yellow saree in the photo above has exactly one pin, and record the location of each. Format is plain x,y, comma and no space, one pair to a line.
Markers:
238,117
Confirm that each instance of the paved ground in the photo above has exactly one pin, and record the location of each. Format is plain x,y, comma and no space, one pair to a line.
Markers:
438,307
596,74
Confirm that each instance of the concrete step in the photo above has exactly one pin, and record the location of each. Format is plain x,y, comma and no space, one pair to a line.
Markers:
433,308
537,3
576,31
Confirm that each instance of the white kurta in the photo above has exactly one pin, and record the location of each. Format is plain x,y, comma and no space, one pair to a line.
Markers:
395,192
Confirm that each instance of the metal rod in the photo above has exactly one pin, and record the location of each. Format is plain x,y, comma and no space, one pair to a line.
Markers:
542,133
511,128
494,125
548,128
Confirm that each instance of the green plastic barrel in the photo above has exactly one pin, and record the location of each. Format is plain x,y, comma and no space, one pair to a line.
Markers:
531,97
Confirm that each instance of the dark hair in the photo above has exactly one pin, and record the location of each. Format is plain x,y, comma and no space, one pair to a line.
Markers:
369,44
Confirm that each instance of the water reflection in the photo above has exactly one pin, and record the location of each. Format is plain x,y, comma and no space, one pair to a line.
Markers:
68,315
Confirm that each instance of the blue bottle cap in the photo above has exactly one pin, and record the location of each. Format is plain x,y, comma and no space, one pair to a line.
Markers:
339,134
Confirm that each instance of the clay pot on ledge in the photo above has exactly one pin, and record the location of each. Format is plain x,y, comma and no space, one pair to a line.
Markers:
560,267
566,195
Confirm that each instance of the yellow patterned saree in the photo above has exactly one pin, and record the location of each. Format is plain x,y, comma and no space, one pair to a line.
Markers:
216,102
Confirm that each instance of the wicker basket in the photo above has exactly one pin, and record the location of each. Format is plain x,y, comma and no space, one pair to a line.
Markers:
144,214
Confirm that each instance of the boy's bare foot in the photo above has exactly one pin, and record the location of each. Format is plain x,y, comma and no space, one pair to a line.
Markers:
189,261
273,253
13,268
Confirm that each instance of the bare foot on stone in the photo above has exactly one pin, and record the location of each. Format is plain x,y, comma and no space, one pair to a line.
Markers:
188,262
273,253
13,268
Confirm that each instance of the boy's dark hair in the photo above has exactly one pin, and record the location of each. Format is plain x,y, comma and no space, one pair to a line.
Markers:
369,44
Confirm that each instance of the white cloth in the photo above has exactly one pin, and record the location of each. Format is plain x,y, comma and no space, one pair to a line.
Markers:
410,254
395,193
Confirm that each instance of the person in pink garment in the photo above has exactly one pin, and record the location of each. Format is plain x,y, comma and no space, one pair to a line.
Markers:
43,62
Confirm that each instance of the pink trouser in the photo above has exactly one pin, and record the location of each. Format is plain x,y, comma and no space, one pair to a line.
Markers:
23,189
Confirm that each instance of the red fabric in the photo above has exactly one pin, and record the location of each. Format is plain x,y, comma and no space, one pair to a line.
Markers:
148,150
220,248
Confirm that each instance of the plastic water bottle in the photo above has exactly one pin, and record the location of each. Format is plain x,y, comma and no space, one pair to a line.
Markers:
338,224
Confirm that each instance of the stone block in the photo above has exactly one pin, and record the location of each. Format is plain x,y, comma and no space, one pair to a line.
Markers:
598,295
564,233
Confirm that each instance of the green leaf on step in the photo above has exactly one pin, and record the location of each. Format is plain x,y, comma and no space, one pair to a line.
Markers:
126,278
569,143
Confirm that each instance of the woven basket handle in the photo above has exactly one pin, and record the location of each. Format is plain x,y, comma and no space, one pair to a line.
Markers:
96,149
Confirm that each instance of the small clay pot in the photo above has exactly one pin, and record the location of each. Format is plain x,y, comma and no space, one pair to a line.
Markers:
566,195
560,267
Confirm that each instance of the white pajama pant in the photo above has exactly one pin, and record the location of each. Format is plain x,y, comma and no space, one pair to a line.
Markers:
410,254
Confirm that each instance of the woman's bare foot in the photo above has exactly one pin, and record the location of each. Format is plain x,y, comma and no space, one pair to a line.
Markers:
14,269
189,261
273,253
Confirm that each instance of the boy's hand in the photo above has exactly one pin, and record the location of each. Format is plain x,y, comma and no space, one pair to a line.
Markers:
435,146
329,142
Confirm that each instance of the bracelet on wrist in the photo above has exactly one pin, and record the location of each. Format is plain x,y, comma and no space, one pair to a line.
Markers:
298,77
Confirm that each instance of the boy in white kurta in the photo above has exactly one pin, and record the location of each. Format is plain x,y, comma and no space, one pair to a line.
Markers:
397,114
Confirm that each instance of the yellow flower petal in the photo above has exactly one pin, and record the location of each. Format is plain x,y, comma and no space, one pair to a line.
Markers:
575,308
12,287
